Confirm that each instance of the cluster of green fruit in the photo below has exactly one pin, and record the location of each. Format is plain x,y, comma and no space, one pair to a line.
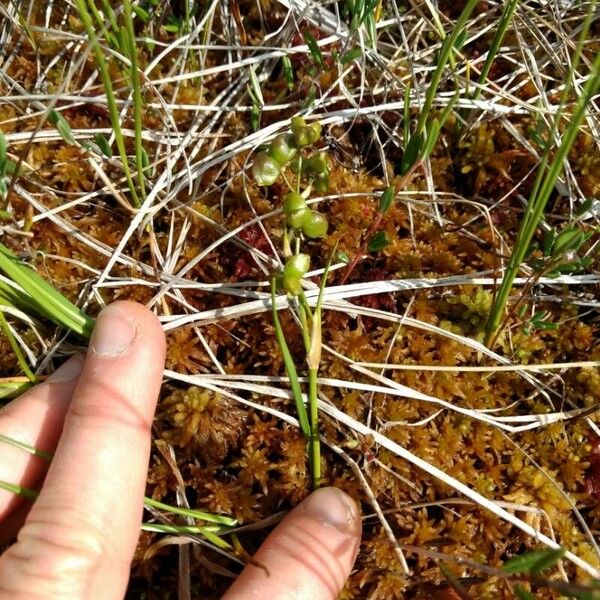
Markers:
291,150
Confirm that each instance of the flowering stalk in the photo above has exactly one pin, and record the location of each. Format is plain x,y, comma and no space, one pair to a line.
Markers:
290,158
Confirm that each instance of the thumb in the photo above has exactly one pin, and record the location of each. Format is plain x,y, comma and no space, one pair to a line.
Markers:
309,555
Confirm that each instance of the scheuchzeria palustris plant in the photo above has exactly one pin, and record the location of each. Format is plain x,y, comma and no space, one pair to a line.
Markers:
293,158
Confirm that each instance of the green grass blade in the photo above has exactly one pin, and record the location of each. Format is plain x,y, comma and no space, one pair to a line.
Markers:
290,368
543,187
110,95
445,54
15,348
190,512
189,530
19,490
507,13
137,96
10,389
4,439
41,296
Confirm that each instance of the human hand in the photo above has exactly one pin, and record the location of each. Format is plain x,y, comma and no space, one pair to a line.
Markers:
78,538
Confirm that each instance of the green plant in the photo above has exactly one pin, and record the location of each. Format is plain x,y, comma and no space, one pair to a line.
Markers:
547,175
418,142
363,13
123,38
28,291
291,155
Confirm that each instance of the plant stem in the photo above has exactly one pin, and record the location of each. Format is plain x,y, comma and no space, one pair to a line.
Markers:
110,96
137,96
290,368
542,189
363,251
315,444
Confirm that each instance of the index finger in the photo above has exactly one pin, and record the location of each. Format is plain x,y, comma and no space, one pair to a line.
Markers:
80,535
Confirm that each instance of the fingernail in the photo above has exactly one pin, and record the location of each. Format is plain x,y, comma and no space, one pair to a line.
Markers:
114,332
332,507
68,370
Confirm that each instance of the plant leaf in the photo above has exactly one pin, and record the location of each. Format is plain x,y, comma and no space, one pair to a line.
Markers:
315,51
386,199
523,594
103,144
411,153
534,562
378,242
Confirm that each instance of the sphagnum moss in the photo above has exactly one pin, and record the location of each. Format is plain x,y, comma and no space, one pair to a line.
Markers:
257,452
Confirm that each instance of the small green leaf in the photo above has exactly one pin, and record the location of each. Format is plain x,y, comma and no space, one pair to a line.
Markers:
460,40
145,159
523,594
103,144
386,199
343,257
141,13
172,25
288,71
351,55
568,239
62,126
371,30
585,206
315,51
378,242
413,149
3,155
549,240
255,90
433,133
534,562
255,117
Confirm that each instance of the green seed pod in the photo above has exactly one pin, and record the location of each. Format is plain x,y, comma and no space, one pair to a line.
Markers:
303,137
315,131
265,169
293,202
298,218
297,123
296,266
292,285
283,148
321,183
317,163
315,225
295,164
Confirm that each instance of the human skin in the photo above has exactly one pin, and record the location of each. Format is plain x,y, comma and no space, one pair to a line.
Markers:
77,539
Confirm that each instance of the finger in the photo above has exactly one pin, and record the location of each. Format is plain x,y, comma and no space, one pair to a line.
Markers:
80,535
36,418
309,555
